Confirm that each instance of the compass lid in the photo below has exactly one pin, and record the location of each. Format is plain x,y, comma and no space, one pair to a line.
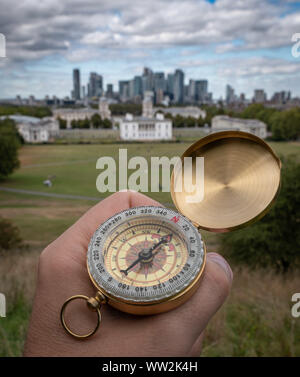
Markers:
234,184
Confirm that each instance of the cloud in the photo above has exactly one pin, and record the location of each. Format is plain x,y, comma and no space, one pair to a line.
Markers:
258,66
161,33
33,27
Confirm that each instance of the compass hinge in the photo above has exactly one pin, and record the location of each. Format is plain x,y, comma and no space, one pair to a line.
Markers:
95,302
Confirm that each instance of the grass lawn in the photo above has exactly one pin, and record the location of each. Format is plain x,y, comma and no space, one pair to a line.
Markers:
256,319
74,166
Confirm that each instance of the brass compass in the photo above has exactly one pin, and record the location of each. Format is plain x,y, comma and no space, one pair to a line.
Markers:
148,260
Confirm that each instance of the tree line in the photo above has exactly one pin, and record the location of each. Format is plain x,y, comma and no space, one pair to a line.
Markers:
95,122
33,111
283,124
10,142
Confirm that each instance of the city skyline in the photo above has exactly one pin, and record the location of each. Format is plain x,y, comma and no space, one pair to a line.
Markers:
164,89
244,44
170,87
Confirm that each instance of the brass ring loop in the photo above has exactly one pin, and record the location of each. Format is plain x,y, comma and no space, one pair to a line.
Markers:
62,318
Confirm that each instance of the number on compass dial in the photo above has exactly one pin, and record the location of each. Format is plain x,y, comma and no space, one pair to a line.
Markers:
144,254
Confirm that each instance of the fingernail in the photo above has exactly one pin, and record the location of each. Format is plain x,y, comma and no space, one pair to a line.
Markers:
217,258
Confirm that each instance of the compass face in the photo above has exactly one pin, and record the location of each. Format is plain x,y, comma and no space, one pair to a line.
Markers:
145,254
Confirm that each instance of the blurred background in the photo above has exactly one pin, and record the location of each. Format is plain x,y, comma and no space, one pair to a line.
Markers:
80,80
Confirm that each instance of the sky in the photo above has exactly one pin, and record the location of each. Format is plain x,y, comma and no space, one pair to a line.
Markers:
244,43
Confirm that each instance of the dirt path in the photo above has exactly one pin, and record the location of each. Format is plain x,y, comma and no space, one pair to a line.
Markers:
49,194
61,196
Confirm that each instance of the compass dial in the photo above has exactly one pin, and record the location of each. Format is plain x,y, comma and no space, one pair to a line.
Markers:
145,254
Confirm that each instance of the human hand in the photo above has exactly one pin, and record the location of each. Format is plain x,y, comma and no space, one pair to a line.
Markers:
63,273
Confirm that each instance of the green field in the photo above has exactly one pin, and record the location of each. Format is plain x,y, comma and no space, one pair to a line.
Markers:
75,166
249,324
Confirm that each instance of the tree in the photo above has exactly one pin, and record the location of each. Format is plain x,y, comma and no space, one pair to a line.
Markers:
9,145
286,125
74,123
190,121
96,121
200,122
274,240
9,235
85,123
260,112
178,121
212,111
123,108
34,111
106,123
62,123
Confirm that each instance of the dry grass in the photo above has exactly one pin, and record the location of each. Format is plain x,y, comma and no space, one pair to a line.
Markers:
18,273
17,282
255,321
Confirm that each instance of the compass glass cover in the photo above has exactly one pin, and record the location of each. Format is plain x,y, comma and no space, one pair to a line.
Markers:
145,254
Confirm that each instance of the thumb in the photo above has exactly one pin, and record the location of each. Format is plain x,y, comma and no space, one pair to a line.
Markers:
209,297
213,290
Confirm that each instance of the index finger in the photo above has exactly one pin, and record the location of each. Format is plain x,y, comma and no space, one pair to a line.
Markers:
81,232
108,207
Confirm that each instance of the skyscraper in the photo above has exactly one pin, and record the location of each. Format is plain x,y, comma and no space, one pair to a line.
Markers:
83,92
124,90
170,85
95,85
109,90
192,90
201,90
259,96
198,90
147,80
229,94
135,87
178,86
159,81
159,96
76,84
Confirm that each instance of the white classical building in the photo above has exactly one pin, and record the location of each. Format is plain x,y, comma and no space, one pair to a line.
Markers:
187,111
36,130
253,126
144,128
69,114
